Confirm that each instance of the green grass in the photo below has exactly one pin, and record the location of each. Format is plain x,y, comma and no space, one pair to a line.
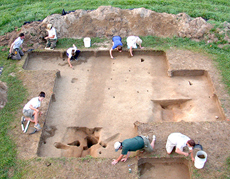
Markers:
15,13
16,95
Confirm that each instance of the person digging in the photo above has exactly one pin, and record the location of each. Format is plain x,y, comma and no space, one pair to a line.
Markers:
31,110
179,141
133,144
16,49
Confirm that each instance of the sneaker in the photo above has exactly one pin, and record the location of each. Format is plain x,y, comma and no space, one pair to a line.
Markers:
154,137
9,57
47,48
23,119
37,126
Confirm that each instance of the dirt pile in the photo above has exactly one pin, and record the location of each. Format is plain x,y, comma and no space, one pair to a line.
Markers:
3,94
107,21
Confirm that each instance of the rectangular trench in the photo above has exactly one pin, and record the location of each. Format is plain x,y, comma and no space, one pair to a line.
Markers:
112,94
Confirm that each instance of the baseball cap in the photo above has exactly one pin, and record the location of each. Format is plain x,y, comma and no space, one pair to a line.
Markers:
117,146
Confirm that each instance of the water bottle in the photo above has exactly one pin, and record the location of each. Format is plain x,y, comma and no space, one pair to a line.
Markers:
130,170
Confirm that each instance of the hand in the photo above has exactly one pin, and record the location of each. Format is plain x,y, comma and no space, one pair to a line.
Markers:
124,159
193,159
114,162
186,154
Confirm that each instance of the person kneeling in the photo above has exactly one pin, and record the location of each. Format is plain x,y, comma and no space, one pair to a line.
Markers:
179,141
133,144
31,110
132,42
72,54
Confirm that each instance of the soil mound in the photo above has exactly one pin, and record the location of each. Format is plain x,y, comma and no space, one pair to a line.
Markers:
107,21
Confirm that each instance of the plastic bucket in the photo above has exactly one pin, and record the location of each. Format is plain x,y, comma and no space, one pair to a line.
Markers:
87,42
200,159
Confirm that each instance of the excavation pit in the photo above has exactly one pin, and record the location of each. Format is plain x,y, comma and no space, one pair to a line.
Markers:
115,93
163,168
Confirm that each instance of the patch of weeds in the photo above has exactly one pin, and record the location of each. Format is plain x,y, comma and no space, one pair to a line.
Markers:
66,43
87,157
155,155
38,159
195,174
63,159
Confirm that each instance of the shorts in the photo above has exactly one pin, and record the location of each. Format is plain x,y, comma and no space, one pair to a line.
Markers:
28,113
169,145
147,147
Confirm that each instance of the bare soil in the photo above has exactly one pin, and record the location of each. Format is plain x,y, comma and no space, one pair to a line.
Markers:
102,101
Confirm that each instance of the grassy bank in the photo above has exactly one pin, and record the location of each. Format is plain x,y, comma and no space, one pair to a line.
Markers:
16,95
15,13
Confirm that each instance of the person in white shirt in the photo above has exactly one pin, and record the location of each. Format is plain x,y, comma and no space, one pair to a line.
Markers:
72,53
15,51
31,110
51,38
132,42
179,141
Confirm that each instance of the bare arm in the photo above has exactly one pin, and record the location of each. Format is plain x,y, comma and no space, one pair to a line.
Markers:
181,152
131,51
11,47
192,157
110,52
118,159
127,156
31,107
69,63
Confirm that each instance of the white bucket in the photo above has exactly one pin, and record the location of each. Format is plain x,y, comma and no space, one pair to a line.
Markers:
200,159
87,42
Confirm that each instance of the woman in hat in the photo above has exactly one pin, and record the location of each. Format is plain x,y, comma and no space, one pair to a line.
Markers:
132,42
51,38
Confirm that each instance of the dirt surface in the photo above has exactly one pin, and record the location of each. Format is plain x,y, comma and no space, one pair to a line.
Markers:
101,100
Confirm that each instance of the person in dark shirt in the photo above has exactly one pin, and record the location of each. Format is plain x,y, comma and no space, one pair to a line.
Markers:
133,144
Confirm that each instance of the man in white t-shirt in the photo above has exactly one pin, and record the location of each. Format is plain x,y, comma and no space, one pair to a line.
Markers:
179,141
15,51
51,38
72,53
31,110
132,42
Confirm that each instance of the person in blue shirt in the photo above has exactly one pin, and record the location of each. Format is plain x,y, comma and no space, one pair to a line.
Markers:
133,144
117,44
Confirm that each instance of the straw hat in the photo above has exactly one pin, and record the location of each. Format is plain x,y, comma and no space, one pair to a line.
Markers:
49,26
